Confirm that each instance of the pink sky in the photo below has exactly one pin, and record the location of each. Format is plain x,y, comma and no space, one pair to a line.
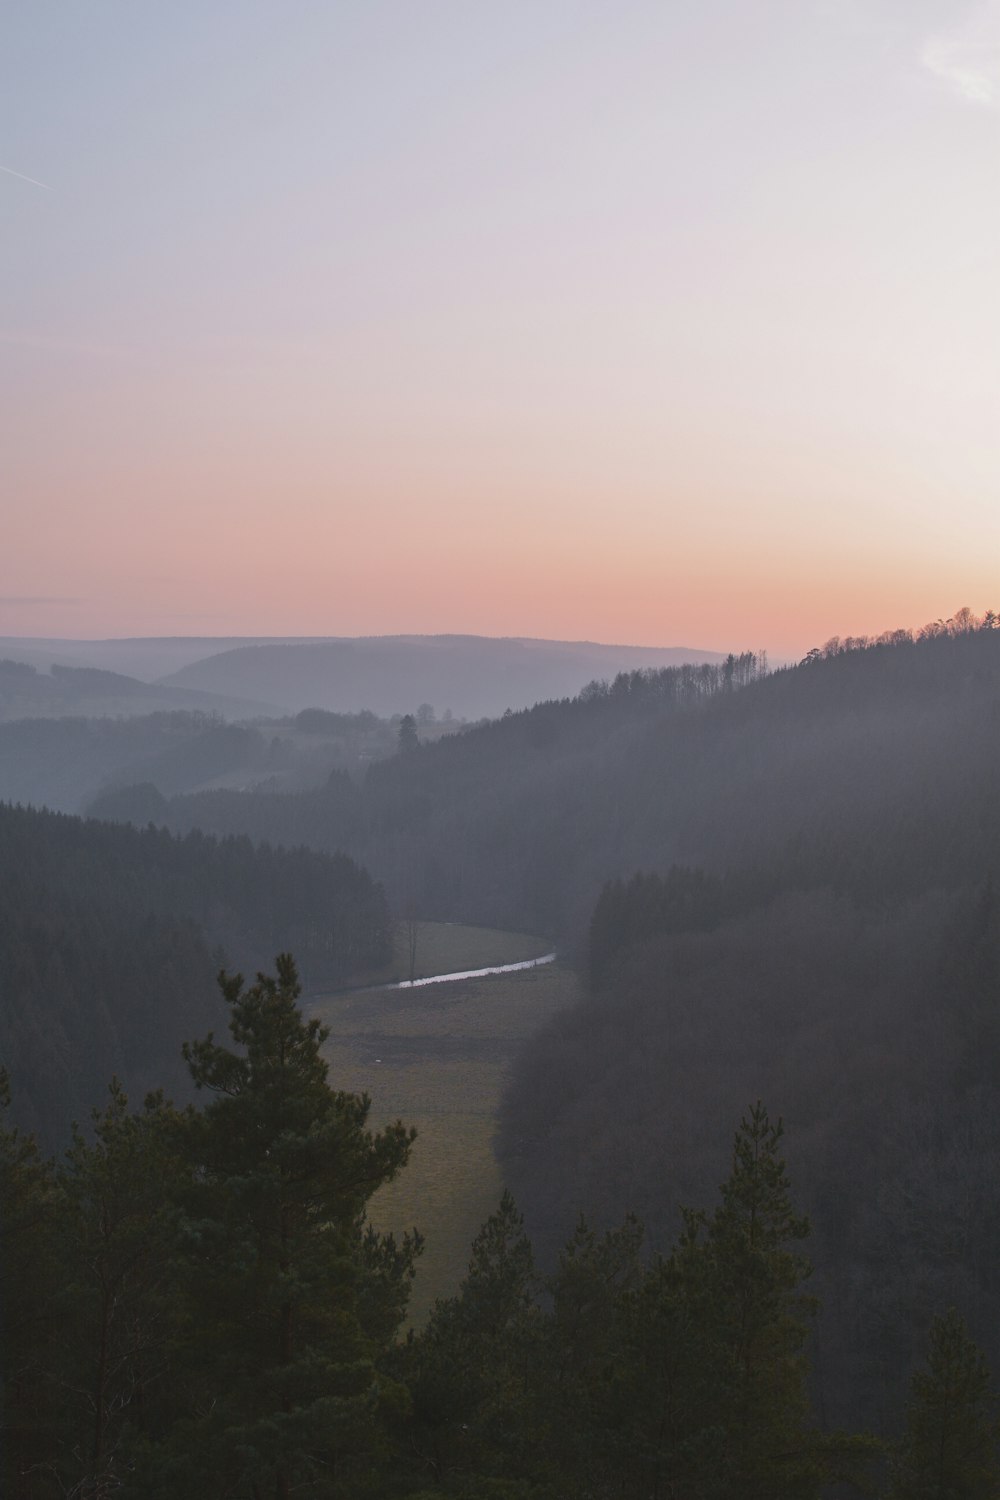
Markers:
578,321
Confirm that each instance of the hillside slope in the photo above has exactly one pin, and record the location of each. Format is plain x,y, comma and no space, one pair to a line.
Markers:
110,940
843,767
839,957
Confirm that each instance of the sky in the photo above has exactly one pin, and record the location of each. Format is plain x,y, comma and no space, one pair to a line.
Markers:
657,323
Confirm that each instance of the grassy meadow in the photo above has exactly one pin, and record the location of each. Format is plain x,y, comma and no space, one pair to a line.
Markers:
437,1058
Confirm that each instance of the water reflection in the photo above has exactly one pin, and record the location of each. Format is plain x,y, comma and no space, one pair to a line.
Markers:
415,984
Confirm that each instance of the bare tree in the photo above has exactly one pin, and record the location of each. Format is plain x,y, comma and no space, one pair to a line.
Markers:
411,931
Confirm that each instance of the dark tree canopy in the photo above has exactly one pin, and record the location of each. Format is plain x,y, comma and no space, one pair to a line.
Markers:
110,939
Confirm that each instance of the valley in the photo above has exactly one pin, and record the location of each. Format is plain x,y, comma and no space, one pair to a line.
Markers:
438,1057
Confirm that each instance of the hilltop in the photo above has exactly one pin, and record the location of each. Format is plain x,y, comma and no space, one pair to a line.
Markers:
470,676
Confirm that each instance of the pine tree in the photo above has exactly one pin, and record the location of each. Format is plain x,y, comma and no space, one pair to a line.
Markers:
28,1286
593,1385
118,1230
949,1451
289,1299
738,1276
470,1369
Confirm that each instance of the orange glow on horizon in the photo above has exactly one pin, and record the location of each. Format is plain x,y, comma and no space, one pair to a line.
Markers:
507,333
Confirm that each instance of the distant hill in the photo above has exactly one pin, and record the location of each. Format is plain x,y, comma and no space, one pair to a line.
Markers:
245,677
55,690
473,676
145,657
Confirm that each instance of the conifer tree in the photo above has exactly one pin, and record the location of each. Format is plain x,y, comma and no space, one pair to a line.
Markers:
593,1382
118,1230
470,1369
28,1284
739,1278
289,1300
949,1451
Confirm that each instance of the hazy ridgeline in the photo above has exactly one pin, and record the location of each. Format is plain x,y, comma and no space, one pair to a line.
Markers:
869,771
473,676
52,689
468,676
513,823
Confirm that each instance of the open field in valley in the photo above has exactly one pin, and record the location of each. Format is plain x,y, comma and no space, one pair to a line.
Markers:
437,1058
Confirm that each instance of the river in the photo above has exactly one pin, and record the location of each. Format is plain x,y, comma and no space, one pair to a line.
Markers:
415,984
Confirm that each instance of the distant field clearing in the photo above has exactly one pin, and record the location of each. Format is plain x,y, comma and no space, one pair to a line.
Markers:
437,1058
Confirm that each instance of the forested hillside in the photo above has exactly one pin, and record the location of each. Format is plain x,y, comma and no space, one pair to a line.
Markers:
512,823
840,953
83,765
859,770
63,763
110,939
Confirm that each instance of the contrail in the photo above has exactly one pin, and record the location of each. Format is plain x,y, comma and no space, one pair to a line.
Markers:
26,179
